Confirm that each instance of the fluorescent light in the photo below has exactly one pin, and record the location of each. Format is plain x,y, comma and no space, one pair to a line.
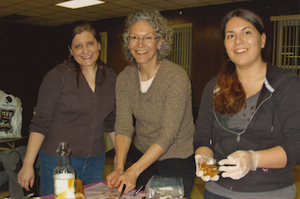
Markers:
73,4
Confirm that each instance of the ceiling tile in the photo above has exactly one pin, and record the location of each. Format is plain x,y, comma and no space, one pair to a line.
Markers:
166,5
41,11
8,10
144,7
76,12
148,1
212,2
45,13
15,1
106,6
126,10
63,14
50,2
126,3
5,4
101,13
184,2
21,7
56,8
109,1
49,17
33,4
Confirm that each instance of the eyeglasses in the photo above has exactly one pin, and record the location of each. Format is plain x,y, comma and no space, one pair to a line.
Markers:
145,39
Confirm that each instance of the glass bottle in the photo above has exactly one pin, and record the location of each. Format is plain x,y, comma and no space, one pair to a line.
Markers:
64,174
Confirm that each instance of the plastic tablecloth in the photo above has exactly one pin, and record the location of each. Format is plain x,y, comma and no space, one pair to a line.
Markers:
99,190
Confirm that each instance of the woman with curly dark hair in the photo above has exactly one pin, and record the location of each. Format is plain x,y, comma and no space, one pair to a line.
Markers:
157,93
249,119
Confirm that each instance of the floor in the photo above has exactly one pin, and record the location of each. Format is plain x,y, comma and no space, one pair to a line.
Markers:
198,189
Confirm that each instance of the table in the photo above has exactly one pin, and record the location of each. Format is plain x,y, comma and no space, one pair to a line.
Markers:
97,186
10,142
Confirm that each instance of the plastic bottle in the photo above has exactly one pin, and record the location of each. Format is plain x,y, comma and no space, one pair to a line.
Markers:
64,174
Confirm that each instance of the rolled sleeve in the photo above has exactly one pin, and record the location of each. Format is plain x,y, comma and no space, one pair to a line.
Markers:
48,97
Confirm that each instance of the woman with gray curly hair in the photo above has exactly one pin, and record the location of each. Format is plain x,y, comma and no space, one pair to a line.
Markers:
160,26
156,94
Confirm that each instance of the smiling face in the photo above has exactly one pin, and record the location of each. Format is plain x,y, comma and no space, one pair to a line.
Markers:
85,49
144,51
243,42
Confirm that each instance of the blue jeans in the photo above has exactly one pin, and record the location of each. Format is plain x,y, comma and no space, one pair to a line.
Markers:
210,195
88,169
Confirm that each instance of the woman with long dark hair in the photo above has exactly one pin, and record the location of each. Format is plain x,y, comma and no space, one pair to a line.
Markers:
76,104
249,119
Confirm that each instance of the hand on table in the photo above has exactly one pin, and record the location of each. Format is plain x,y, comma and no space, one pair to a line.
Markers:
26,177
242,162
203,173
129,178
117,179
112,178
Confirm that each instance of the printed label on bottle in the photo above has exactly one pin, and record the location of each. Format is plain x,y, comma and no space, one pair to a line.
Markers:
64,185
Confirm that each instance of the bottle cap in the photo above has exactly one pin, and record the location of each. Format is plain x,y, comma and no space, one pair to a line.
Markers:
63,149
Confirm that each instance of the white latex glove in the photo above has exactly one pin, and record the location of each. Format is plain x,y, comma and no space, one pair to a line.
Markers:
241,163
202,173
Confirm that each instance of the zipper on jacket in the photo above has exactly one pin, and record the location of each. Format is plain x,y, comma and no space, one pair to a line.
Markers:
238,135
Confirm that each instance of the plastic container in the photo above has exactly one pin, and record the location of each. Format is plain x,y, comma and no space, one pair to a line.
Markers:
209,166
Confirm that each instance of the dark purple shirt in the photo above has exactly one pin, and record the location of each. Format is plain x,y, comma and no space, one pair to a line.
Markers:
67,112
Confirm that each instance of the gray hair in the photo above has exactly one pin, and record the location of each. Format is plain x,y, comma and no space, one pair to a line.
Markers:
158,23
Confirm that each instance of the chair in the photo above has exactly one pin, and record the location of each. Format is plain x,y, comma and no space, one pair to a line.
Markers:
10,164
3,187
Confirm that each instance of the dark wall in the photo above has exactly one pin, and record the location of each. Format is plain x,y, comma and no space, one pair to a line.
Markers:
28,52
208,52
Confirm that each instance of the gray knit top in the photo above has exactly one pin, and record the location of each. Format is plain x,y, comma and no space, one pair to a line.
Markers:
163,114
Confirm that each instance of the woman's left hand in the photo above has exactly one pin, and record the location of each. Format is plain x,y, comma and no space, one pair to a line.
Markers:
129,178
241,162
112,178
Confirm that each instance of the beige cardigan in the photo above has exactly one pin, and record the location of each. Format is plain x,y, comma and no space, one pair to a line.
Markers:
163,114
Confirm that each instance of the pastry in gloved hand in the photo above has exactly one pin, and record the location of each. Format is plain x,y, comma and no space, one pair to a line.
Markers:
241,162
206,168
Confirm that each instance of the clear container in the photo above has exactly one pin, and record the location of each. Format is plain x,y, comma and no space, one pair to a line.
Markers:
64,174
209,166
